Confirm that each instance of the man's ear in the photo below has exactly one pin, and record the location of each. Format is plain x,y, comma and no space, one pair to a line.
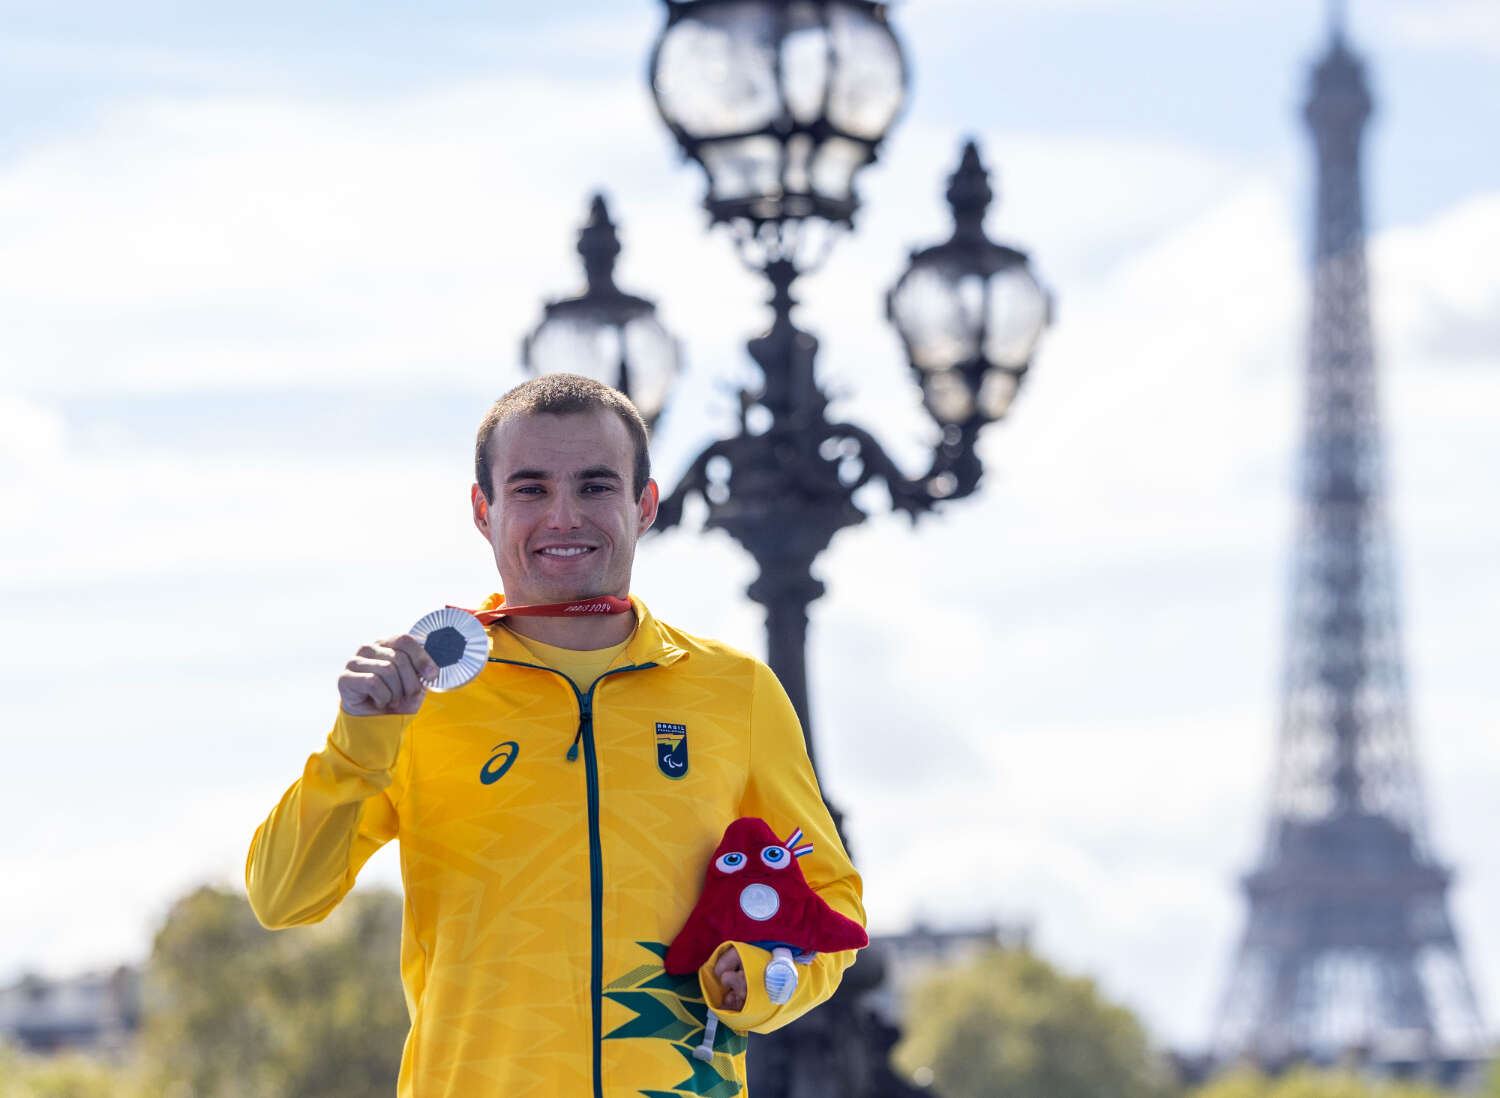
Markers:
648,503
481,511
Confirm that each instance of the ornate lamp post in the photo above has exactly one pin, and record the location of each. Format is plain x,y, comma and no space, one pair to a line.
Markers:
604,333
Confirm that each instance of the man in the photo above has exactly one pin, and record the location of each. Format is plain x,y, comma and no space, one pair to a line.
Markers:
556,815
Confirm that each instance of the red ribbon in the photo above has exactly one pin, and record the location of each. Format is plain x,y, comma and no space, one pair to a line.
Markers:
604,604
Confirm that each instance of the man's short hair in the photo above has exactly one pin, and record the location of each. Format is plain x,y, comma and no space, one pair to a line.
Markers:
561,395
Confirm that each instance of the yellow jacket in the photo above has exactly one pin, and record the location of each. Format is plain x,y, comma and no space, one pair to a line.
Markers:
550,852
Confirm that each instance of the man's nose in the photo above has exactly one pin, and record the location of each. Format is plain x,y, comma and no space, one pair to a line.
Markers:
562,513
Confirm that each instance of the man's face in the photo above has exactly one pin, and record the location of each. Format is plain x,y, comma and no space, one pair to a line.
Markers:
563,524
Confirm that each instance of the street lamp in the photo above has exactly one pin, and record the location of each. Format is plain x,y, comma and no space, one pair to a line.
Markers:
604,333
970,313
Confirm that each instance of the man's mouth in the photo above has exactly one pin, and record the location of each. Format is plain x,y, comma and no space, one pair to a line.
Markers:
563,552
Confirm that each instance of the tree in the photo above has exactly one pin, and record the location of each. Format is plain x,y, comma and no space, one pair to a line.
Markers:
236,1011
1010,1024
67,1075
1308,1082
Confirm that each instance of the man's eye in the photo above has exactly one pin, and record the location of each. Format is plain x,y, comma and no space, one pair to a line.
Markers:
528,489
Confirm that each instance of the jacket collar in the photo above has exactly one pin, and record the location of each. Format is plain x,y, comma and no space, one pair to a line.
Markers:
648,644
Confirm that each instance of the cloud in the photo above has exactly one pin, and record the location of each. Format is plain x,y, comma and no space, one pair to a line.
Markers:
1462,25
155,63
234,241
1437,288
29,431
230,240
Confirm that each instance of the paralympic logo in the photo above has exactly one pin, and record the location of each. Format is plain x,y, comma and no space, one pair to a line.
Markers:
671,749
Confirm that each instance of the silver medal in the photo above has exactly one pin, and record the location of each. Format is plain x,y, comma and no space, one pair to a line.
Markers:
456,642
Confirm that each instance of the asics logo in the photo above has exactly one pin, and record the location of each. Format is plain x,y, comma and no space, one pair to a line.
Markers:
503,755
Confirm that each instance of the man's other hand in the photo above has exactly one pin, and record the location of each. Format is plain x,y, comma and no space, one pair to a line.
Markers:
386,678
731,973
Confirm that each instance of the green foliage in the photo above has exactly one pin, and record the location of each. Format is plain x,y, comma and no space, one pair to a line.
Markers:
1491,1087
236,1011
1010,1024
1312,1083
69,1075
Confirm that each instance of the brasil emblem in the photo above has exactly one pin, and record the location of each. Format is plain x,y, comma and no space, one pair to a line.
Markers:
671,749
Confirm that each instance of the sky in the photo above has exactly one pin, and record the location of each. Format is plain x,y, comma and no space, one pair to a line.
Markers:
266,265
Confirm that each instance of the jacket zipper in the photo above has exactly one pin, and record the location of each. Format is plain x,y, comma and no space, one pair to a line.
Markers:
585,734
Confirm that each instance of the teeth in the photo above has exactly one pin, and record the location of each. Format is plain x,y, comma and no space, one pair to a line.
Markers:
572,552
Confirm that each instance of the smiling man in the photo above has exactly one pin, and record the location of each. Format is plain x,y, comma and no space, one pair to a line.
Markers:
556,815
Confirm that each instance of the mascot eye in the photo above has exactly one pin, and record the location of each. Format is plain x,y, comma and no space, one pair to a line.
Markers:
775,856
732,862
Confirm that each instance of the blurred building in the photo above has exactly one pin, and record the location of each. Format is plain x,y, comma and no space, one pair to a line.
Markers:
912,956
96,1012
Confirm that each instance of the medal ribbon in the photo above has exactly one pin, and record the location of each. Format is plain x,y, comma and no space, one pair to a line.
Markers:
604,604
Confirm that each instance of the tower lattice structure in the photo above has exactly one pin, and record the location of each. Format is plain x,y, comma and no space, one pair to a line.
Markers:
1349,943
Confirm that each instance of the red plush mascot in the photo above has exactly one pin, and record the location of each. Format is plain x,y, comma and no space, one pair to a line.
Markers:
755,892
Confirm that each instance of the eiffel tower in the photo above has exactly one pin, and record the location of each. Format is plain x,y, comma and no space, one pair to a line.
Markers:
1348,948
